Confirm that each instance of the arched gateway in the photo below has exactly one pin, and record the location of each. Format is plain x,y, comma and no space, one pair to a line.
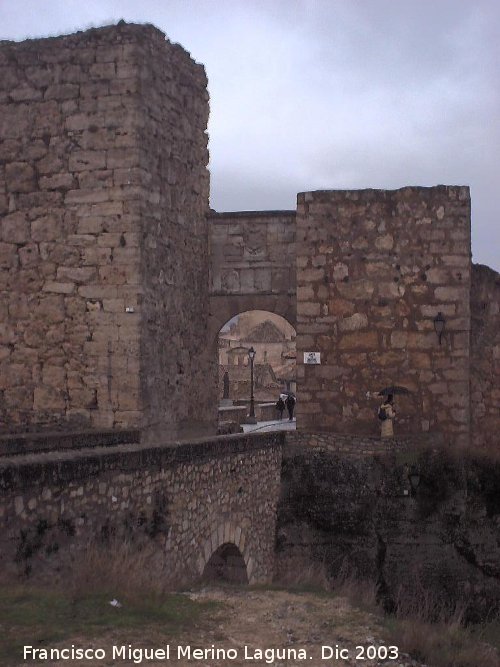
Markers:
252,265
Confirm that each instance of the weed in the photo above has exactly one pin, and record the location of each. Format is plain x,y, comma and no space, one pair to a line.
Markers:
40,617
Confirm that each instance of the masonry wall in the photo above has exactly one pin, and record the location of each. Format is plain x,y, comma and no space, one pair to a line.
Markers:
373,270
103,182
182,502
485,358
178,375
252,264
347,506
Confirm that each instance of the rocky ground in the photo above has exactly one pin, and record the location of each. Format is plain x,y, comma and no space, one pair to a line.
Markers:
258,627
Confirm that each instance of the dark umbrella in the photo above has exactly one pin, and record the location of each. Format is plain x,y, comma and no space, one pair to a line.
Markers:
393,390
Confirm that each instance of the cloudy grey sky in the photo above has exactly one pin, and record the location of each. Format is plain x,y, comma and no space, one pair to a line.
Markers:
325,94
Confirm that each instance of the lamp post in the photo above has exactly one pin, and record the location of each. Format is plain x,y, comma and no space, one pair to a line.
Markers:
439,324
414,478
251,417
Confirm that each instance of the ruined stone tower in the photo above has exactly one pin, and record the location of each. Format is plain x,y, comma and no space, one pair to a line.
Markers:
103,197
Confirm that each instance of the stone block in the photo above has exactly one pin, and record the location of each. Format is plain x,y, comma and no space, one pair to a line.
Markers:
20,177
359,341
76,274
307,276
356,289
61,182
58,288
340,307
25,93
399,339
121,158
308,309
88,196
14,228
47,228
105,70
87,160
53,376
393,358
48,398
62,91
384,242
29,255
459,294
353,323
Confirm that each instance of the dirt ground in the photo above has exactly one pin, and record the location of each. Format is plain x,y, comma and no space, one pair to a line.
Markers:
254,627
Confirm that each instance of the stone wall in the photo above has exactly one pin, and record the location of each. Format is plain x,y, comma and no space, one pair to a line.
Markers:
485,357
347,513
252,265
184,501
179,398
373,270
362,447
103,192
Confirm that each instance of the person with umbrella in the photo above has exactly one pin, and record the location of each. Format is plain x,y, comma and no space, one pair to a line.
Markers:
386,414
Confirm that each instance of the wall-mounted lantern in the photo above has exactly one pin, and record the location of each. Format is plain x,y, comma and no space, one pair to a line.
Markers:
439,325
414,478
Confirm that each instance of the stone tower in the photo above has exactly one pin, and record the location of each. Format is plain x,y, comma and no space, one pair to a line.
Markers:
103,240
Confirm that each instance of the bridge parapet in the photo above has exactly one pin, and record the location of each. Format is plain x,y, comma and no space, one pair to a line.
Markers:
181,498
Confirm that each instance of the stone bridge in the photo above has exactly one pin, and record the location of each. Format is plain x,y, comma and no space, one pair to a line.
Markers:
252,265
208,507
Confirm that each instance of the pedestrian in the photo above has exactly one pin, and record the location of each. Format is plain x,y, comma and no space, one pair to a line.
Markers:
280,407
290,405
386,414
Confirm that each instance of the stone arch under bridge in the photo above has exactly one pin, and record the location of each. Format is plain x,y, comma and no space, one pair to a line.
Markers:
229,543
252,265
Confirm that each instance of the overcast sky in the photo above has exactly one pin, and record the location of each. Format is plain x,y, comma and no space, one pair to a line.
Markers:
327,94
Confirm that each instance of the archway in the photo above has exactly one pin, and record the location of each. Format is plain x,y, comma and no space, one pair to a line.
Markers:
226,564
273,339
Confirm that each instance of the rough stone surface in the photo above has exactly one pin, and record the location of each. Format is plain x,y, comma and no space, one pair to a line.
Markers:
378,266
347,504
485,358
340,500
106,240
252,265
187,501
103,197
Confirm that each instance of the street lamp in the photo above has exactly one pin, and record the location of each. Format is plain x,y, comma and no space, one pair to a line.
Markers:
439,324
251,417
414,478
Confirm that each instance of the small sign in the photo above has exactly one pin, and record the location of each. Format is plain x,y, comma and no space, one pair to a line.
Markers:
312,357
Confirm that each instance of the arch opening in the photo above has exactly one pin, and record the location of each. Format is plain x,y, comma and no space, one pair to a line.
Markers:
273,339
226,564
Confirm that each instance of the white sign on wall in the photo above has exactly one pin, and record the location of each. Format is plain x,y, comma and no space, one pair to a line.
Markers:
312,357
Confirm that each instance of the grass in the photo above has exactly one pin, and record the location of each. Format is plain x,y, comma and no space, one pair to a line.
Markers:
442,644
40,617
77,605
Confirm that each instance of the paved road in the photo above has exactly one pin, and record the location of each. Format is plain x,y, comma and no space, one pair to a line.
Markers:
283,425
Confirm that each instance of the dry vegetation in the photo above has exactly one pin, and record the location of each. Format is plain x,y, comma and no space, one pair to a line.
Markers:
305,608
421,625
